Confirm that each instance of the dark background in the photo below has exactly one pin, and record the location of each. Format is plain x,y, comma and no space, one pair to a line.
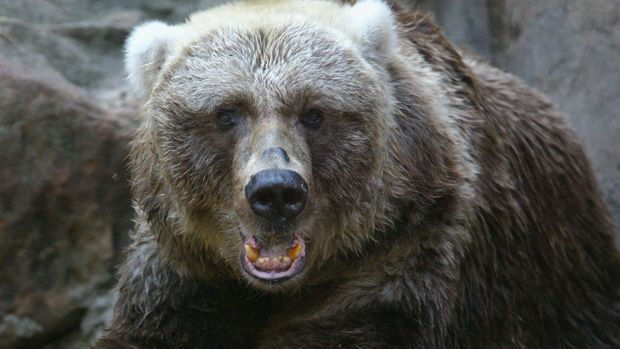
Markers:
66,116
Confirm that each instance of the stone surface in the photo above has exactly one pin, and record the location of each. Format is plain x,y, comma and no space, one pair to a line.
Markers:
64,205
66,117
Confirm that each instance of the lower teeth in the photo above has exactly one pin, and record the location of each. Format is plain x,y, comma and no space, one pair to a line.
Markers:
273,263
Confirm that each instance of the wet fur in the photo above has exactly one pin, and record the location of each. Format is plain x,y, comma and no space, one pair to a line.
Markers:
481,227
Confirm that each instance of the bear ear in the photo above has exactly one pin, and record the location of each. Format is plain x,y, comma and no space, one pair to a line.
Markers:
374,23
148,47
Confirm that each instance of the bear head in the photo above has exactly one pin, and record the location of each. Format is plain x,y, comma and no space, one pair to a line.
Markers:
268,142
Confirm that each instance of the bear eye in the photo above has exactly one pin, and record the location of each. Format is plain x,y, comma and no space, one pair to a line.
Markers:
225,118
312,118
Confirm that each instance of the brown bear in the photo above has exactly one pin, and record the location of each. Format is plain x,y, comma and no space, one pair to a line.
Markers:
322,174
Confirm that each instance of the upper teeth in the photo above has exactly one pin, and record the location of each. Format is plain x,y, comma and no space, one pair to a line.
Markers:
251,252
294,251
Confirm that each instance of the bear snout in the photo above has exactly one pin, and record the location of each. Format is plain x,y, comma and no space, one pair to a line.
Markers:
277,195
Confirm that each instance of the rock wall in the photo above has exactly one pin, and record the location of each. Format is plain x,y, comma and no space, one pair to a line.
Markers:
66,117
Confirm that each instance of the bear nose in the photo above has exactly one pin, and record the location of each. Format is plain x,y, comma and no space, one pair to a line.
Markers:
277,195
276,153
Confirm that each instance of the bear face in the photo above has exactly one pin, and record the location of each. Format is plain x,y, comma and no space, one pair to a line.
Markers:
270,138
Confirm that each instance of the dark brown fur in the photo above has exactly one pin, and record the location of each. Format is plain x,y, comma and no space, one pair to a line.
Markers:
525,260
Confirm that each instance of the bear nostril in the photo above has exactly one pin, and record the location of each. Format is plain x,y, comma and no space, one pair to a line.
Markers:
292,202
277,194
262,202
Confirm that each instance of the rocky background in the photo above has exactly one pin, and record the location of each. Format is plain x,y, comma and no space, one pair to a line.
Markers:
66,117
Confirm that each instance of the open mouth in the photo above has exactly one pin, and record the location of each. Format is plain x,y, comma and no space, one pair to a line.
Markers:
273,264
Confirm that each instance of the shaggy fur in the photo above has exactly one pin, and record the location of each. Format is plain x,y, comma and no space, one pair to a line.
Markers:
449,205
